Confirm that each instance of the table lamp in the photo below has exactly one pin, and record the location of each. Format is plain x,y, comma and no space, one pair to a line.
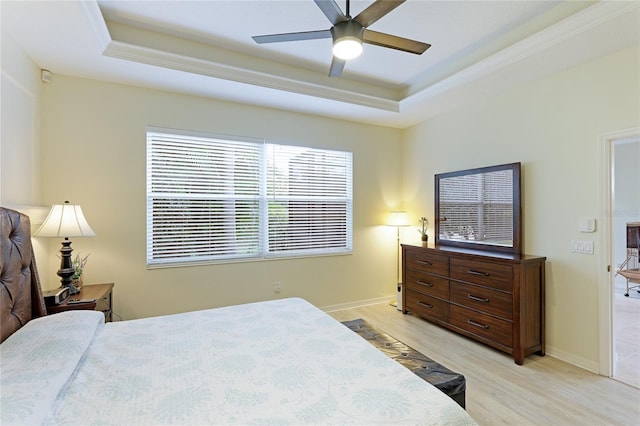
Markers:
65,220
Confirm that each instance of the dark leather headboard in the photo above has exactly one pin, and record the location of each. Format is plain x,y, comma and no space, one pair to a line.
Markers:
20,292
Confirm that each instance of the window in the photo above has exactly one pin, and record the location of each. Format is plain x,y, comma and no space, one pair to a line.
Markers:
211,199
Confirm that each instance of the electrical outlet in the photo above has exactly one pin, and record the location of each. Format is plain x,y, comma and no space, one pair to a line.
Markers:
277,287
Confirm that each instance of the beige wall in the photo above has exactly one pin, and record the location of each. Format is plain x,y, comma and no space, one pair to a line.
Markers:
94,143
552,126
93,150
20,172
20,84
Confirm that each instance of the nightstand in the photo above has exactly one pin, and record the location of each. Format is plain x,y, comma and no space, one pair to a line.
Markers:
102,301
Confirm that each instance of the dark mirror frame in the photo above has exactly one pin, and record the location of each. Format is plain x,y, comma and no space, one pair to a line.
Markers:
516,247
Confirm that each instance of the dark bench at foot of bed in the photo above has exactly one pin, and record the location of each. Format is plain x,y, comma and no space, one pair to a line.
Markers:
452,384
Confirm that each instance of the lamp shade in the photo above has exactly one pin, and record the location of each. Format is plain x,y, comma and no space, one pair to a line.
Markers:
65,220
398,218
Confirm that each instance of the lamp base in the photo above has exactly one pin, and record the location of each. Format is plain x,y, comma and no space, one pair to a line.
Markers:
72,289
66,270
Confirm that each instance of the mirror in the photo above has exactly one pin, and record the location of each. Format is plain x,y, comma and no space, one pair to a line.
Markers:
479,208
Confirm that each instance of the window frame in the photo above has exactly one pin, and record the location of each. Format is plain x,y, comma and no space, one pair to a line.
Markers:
262,202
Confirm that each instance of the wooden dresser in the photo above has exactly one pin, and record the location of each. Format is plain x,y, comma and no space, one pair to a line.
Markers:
494,298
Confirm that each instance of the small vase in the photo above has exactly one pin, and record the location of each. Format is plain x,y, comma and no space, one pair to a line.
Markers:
425,239
77,283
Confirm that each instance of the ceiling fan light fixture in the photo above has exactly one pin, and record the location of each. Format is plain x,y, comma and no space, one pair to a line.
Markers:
347,39
347,47
349,33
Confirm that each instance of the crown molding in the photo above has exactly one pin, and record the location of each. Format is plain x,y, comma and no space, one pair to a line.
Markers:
141,54
150,56
554,35
96,21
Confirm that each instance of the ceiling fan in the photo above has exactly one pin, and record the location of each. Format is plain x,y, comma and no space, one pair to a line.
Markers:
349,33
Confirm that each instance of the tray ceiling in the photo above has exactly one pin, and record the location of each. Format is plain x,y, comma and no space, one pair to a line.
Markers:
479,49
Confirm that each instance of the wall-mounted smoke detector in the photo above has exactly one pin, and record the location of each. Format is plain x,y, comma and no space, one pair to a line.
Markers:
46,76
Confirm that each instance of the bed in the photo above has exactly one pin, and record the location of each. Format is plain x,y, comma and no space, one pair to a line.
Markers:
275,362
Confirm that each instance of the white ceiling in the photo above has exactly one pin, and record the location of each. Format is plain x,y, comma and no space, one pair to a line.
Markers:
479,48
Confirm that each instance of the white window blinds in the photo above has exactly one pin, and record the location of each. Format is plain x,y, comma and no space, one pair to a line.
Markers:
218,199
309,200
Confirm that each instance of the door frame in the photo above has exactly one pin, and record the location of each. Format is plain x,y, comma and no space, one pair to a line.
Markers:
606,277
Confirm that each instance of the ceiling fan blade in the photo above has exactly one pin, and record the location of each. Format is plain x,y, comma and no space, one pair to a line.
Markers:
337,65
306,35
331,10
376,11
394,42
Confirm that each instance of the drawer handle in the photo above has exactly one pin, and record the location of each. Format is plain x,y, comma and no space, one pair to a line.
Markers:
477,299
425,283
424,262
426,305
477,324
474,272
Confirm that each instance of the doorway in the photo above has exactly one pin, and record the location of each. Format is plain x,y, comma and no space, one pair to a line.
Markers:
626,306
619,314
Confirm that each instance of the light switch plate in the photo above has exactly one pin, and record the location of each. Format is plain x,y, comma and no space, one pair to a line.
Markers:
582,246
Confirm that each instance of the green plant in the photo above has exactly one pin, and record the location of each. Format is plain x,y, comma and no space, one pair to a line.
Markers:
425,224
78,266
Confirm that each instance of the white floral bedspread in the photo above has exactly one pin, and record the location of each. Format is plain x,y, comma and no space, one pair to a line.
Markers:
37,361
278,362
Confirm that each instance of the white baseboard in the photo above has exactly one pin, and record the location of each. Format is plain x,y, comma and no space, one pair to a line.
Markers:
572,359
358,303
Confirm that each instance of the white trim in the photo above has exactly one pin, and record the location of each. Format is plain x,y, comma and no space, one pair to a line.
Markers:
358,303
572,359
96,21
606,277
581,22
145,55
543,40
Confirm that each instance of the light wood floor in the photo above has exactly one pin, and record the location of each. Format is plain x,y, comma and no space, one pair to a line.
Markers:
543,391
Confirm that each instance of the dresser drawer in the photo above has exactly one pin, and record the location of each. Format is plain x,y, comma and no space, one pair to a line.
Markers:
483,299
426,306
485,273
492,328
495,298
427,262
427,284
